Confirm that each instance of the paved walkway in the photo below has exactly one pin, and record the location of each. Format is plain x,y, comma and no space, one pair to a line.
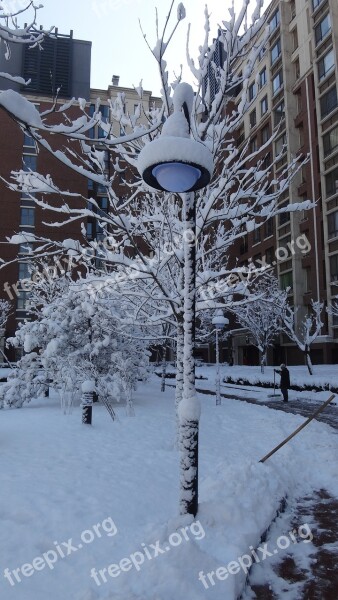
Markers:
297,407
286,576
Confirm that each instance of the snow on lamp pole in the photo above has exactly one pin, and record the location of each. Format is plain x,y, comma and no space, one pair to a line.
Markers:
219,321
175,162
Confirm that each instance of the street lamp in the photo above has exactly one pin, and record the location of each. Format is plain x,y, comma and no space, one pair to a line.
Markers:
219,321
175,162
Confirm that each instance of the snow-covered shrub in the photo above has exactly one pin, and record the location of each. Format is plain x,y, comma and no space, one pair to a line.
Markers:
79,336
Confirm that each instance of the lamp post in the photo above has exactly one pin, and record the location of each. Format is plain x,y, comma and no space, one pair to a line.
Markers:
175,162
219,321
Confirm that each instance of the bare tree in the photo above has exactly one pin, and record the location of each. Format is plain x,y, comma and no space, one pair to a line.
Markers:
306,332
150,229
262,315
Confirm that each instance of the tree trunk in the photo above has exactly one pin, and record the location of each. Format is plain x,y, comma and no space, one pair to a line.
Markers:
164,367
129,402
263,359
308,360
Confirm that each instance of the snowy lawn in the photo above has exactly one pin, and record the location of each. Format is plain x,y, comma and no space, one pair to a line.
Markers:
323,375
76,498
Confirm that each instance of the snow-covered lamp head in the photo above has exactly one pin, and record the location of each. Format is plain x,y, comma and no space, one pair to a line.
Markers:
175,162
219,321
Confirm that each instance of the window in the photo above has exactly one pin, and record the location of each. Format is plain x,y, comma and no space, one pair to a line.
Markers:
253,118
27,216
22,300
24,271
294,36
325,65
104,110
274,22
252,91
323,28
280,144
293,9
253,145
241,136
334,267
268,228
25,248
276,51
277,82
256,235
269,253
279,113
301,136
262,77
264,105
315,3
330,141
266,161
332,224
29,162
307,279
89,228
331,183
283,217
103,203
296,69
328,102
28,141
286,281
244,245
261,53
265,134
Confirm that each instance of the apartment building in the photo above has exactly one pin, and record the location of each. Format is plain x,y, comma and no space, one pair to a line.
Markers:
64,65
293,95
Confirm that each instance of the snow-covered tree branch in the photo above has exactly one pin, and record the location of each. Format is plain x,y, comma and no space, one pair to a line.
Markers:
305,333
263,316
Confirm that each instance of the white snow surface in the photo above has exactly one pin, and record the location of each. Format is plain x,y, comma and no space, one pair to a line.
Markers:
59,478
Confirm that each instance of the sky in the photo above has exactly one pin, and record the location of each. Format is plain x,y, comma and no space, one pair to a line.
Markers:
118,47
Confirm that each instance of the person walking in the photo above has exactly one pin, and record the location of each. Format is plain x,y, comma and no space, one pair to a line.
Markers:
284,381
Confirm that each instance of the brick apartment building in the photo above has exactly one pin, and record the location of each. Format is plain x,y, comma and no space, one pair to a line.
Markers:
64,63
294,92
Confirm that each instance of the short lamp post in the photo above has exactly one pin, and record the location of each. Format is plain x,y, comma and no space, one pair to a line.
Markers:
219,322
175,162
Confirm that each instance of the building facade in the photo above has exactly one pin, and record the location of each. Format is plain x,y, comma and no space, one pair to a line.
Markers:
293,96
58,73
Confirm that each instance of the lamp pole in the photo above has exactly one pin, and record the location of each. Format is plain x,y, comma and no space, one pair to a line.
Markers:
218,378
189,422
176,162
219,321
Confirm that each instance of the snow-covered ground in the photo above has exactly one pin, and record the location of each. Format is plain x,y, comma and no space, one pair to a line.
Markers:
77,500
299,375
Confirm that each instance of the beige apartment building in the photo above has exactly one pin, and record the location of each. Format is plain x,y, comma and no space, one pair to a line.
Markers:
293,94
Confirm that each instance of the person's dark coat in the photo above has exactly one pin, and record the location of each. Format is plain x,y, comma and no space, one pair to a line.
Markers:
284,378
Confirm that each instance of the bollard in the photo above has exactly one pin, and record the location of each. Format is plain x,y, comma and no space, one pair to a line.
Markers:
87,407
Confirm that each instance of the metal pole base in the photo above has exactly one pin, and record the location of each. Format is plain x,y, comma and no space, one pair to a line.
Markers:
189,468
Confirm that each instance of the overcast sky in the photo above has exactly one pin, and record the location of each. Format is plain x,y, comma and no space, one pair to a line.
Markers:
113,28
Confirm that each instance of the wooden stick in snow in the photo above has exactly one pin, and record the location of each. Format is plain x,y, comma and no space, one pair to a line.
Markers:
319,410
